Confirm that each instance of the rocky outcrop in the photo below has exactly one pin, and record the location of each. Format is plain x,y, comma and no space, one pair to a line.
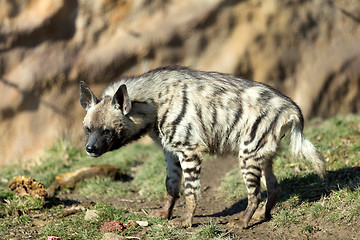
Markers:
309,50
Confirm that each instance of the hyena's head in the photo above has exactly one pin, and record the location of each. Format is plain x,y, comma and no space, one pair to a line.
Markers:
105,123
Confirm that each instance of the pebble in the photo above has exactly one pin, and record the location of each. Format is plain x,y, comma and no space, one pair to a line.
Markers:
142,223
112,236
91,214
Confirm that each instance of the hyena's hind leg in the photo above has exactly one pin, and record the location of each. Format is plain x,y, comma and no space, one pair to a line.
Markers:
272,190
251,172
173,182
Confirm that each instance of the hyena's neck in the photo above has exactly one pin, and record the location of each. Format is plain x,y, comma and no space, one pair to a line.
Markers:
142,116
140,121
142,91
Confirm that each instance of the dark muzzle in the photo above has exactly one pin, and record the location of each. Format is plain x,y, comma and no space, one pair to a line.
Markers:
93,143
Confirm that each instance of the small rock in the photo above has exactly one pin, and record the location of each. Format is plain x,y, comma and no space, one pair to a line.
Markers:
143,223
54,238
39,223
3,180
72,210
91,214
112,236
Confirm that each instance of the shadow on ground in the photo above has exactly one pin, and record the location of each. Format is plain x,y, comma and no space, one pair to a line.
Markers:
308,188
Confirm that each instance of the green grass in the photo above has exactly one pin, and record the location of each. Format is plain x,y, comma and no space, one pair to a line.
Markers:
151,177
304,197
75,227
64,157
142,161
211,230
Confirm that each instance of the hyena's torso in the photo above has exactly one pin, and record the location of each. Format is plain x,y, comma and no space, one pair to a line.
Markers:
191,112
210,111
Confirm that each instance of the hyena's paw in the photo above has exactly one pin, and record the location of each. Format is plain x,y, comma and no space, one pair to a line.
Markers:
239,223
182,222
161,213
259,215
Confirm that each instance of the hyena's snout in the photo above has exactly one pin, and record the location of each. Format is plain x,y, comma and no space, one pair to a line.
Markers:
94,146
90,148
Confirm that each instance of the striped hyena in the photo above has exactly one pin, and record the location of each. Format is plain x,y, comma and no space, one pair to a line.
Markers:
191,112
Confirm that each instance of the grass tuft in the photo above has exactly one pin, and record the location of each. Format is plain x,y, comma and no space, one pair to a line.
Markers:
211,230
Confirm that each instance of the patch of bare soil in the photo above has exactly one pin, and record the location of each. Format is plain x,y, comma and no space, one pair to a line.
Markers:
212,207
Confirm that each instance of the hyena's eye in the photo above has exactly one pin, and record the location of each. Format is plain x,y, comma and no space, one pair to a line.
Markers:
106,132
87,130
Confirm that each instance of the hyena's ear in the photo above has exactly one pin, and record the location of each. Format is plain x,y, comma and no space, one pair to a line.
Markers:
121,100
87,97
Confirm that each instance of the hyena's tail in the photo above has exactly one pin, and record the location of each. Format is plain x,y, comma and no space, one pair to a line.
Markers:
302,147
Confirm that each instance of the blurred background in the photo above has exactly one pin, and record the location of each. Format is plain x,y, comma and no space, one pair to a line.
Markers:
309,50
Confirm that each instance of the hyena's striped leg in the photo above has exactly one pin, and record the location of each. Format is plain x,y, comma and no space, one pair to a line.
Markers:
190,165
251,171
272,189
173,182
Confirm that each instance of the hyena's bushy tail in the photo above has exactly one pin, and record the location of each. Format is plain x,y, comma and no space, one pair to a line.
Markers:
302,147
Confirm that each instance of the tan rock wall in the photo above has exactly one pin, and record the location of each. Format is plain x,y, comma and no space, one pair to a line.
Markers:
310,50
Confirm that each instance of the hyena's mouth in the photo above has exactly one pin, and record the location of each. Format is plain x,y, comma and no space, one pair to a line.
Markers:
93,154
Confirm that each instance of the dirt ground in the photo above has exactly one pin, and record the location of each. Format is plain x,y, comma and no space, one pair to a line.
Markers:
214,208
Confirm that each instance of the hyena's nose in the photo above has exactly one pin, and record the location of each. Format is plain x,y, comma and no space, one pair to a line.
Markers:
90,148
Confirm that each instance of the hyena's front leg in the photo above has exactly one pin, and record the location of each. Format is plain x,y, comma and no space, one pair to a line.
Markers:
191,170
173,181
